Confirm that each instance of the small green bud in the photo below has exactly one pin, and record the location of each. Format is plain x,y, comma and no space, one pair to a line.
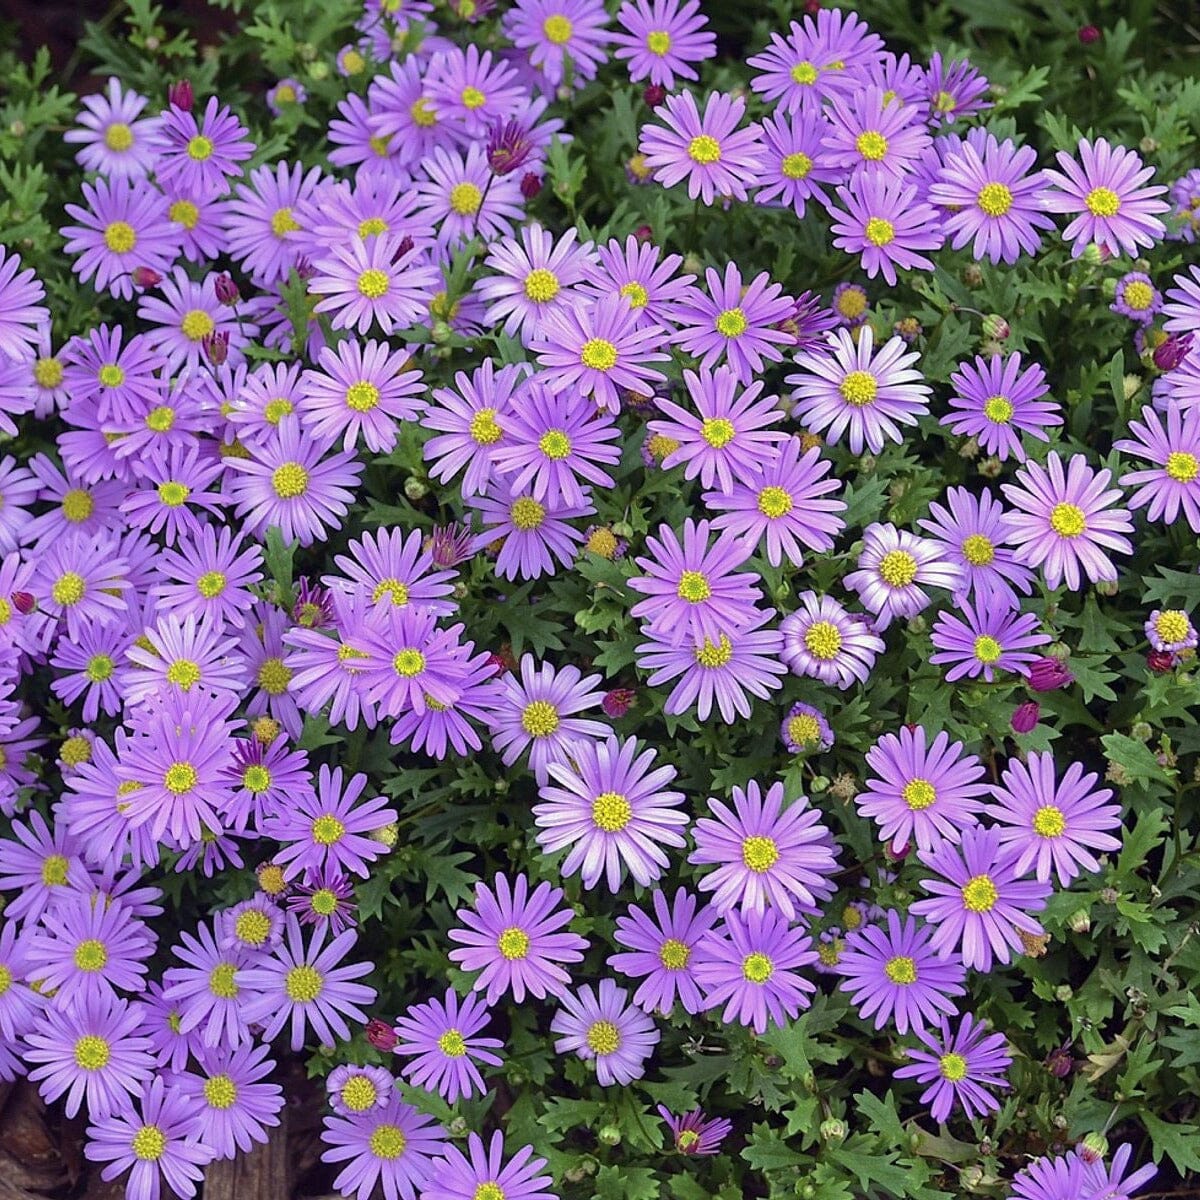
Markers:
692,264
995,326
1093,255
833,1130
971,1176
622,529
415,488
1107,587
819,784
917,624
1080,921
972,275
1130,386
1093,1147
1060,650
1063,992
457,1127
867,464
1109,895
1141,731
610,1135
318,70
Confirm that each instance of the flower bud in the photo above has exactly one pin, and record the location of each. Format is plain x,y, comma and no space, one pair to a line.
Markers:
972,275
457,1127
415,488
819,784
618,702
1130,386
1160,661
1059,1062
1048,674
1080,921
1141,731
531,185
610,1135
1088,34
833,1130
226,289
180,94
380,1034
1063,992
1107,587
1169,354
644,234
654,95
24,602
1109,895
146,277
971,1176
1093,254
1025,716
894,855
1093,1148
441,333
995,326
216,346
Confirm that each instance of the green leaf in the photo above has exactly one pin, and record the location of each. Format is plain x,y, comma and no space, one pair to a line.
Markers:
1136,757
873,1170
1180,1143
279,557
626,1183
767,1151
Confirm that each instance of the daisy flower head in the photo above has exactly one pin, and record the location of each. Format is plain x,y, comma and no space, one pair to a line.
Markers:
460,193
394,567
869,133
601,1027
82,580
979,904
694,1133
1054,826
728,437
995,198
717,159
262,220
115,140
1136,297
395,1148
188,314
379,281
599,350
885,222
201,155
23,313
894,569
894,975
847,388
767,856
661,949
751,964
210,573
1112,1183
552,32
614,811
996,402
988,641
805,730
482,1172
20,1003
354,1089
287,93
632,269
1106,193
471,90
662,39
734,323
209,990
797,163
919,791
973,532
1170,630
825,641
440,1037
1172,484
1058,1177
955,89
517,939
1067,523
534,534
179,655
961,1067
693,587
237,1102
784,505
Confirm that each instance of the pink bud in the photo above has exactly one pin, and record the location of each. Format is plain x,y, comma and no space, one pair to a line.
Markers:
1160,661
1025,716
226,289
644,234
618,702
380,1034
146,277
654,95
531,184
181,95
1048,675
1088,34
216,347
1172,352
23,602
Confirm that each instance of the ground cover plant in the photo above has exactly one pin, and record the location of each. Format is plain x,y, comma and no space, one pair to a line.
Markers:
602,598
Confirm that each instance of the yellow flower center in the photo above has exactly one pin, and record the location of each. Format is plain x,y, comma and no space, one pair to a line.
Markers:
526,514
880,231
327,830
77,506
693,587
987,649
161,419
859,388
275,410
256,779
220,1092
472,98
804,73
222,981
513,943
704,149
658,41
353,63
392,588
852,303
541,285
555,444
303,984
1138,295
732,323
1182,466
715,656
184,674
285,94
603,542
796,166
68,589
994,199
465,198
872,145
373,283
274,676
611,812
898,568
1067,520
757,968
979,894
978,550
1172,625
918,794
110,375
598,355
252,927
118,136
953,1067
659,446
6,611
180,777
674,955
557,29
48,372
387,1142
1049,821
408,663
54,870
539,718
636,294
803,728
149,1143
92,1053
210,584
759,854
185,213
359,1093
603,1037
362,396
173,493
75,750
823,640
120,237
283,222
289,480
484,430
323,902
717,432
422,113
998,409
271,880
91,955
489,1191
200,148
774,502
901,969
452,1044
1102,202
372,226
197,325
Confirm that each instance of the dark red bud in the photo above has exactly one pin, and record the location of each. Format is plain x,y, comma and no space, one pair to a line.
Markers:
181,95
1160,661
1025,716
1089,34
216,347
404,246
644,234
618,702
226,289
531,184
146,277
380,1034
654,95
23,602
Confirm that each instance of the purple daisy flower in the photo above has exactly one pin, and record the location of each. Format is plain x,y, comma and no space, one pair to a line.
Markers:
805,730
894,568
743,661
23,313
1173,446
632,270
307,985
599,349
326,897
694,1133
693,588
254,925
959,1068
796,163
472,90
553,31
536,713
661,39
201,155
972,531
239,1106
90,1052
869,133
1099,1182
1067,521
484,1174
784,505
824,640
517,940
353,1089
995,402
157,1141
661,951
188,315
1054,827
955,90
20,1004
734,324
441,1038
767,856
715,157
604,1029
1050,1178
172,496
464,198
395,1148
42,864
394,566
987,641
1136,297
115,139
291,485
1169,631
921,792
210,991
894,975
886,222
613,811
210,574
751,964
995,199
845,388
377,281
286,93
728,436
979,902
1107,195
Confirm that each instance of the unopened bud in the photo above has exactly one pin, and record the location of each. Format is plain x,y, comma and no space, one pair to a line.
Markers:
610,1135
1141,731
1160,661
1093,1148
833,1130
972,275
226,290
644,234
415,489
1080,921
180,94
1093,254
531,184
146,277
380,1034
995,326
1088,34
654,95
1063,992
216,346
24,602
1106,587
1025,716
